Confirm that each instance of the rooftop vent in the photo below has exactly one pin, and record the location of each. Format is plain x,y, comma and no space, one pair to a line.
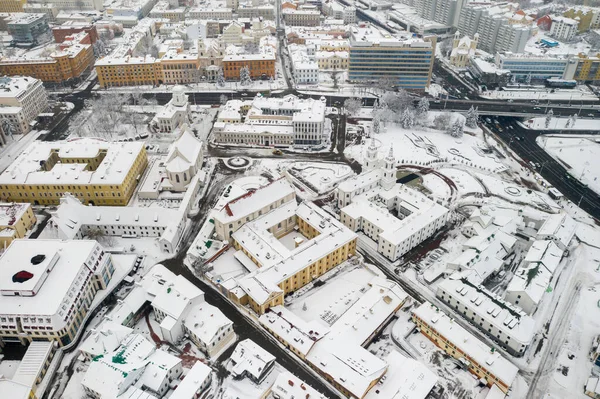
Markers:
37,259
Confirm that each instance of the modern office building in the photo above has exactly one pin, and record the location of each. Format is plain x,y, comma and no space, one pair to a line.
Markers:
586,68
47,288
267,122
481,360
406,61
22,99
16,219
29,30
95,171
530,67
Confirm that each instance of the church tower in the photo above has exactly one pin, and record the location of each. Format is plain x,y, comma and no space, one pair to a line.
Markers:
389,171
371,156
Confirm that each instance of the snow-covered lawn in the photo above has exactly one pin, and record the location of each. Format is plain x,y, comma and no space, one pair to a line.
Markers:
557,123
578,154
424,146
580,93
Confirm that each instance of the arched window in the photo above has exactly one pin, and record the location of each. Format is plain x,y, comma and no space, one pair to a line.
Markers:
177,178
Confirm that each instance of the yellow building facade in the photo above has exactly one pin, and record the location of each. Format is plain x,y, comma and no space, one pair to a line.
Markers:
15,221
45,184
57,68
12,5
588,68
130,71
324,256
482,371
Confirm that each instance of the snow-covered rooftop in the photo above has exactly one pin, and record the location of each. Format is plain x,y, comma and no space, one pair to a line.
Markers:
405,378
175,295
51,278
560,226
113,169
10,213
104,339
299,334
72,215
192,382
250,358
485,356
349,365
545,252
254,200
288,386
16,86
372,309
33,363
184,152
505,317
206,322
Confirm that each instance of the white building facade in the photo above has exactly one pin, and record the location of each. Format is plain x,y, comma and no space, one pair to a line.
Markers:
48,286
22,99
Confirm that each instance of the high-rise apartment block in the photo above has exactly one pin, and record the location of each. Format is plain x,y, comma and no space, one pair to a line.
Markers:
495,28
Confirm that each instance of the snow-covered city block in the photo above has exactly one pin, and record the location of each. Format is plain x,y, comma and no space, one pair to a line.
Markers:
284,199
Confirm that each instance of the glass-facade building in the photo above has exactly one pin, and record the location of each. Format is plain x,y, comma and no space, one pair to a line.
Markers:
373,57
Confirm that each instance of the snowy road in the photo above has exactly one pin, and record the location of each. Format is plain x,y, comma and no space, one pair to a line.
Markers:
557,334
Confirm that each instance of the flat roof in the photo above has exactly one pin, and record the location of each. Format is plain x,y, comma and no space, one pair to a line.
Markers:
405,378
351,366
10,213
299,334
67,258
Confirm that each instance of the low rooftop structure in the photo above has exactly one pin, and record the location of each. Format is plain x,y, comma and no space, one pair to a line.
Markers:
405,378
250,360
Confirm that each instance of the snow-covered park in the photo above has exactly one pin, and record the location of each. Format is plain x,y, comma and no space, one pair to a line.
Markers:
426,144
579,154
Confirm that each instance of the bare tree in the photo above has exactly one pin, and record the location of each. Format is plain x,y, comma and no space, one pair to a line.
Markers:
352,105
442,121
385,83
8,127
335,79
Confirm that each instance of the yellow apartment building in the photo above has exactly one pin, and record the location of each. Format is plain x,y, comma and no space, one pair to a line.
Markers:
321,244
95,171
128,71
69,63
15,221
483,361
